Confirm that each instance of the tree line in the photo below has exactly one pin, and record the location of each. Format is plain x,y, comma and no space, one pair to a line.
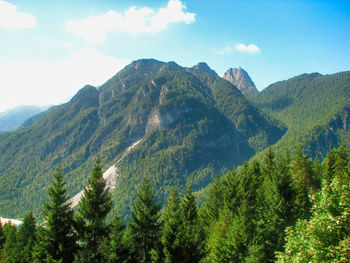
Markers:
280,209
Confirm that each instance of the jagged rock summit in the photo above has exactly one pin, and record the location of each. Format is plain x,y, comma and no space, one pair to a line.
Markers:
240,78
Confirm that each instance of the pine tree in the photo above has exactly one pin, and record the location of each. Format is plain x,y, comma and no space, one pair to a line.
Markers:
2,236
276,192
214,202
244,231
9,253
56,241
145,225
114,248
26,238
192,236
342,161
229,184
94,206
171,239
329,164
303,182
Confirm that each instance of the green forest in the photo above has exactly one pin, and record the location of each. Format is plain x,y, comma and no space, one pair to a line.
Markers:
281,209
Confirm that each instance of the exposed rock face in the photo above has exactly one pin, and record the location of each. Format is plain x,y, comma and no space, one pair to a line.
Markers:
240,78
165,116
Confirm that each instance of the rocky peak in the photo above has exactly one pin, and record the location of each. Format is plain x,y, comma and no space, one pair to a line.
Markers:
202,66
240,78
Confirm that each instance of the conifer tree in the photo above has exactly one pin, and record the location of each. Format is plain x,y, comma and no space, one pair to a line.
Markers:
2,236
192,237
94,205
276,193
342,160
9,253
329,164
171,232
325,236
114,248
145,225
56,241
303,181
214,202
26,237
229,184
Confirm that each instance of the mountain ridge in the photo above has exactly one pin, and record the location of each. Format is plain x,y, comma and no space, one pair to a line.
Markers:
311,106
194,124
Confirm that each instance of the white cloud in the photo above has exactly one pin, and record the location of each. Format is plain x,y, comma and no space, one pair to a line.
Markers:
251,48
11,19
224,50
42,82
133,21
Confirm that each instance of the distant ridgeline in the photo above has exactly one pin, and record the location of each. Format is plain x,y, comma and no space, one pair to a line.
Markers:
315,109
12,119
189,125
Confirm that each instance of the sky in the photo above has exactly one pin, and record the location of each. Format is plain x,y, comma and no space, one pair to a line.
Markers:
51,49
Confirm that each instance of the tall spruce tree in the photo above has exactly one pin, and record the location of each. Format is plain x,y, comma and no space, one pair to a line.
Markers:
275,191
2,236
210,212
171,232
192,238
56,241
9,253
302,174
115,249
329,164
26,238
145,225
94,206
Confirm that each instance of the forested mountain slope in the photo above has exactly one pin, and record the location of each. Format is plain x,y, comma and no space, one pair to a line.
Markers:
191,123
315,108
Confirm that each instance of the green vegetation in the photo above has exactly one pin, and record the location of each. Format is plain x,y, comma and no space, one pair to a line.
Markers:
193,124
93,208
14,118
56,240
315,109
282,209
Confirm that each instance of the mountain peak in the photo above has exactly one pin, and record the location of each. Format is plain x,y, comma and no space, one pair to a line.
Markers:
171,65
202,66
240,78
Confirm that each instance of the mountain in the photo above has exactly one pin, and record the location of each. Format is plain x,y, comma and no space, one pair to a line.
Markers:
12,119
240,78
315,109
155,119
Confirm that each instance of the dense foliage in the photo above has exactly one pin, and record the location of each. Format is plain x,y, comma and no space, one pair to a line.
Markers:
283,209
315,109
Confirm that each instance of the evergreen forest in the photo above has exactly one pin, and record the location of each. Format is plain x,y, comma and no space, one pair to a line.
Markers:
284,208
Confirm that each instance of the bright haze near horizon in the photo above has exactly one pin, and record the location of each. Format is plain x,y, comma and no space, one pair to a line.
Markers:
51,49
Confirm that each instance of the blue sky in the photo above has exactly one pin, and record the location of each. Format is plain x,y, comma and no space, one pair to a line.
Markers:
50,49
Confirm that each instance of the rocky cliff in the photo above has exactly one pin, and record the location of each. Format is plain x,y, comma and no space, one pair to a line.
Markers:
240,78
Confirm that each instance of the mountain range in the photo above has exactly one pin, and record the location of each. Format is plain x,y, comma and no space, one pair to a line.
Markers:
169,123
12,119
314,108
